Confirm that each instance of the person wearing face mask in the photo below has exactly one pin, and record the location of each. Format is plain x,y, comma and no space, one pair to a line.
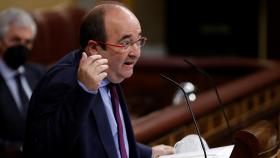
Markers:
17,78
78,109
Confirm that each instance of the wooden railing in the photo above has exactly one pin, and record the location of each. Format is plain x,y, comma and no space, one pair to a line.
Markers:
146,91
246,100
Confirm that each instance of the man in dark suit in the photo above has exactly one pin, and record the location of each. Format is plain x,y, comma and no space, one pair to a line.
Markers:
17,79
78,109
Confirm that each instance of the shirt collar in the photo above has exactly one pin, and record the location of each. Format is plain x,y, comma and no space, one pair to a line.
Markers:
104,83
7,72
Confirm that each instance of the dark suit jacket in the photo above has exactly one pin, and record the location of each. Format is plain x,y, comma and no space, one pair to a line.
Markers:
65,121
12,123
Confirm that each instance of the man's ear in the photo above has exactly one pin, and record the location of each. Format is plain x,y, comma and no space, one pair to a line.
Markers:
91,48
92,43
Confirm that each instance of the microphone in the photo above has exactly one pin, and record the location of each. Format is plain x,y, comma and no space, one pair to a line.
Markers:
190,109
204,73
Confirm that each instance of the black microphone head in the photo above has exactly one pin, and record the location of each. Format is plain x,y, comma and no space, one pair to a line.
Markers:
198,69
172,81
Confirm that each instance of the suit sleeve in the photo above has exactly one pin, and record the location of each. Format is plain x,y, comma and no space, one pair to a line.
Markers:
144,151
57,111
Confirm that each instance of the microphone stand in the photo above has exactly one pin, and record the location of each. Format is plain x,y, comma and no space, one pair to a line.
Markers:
190,109
215,88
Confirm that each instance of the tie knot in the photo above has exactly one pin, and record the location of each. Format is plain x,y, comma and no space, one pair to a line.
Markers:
17,76
112,86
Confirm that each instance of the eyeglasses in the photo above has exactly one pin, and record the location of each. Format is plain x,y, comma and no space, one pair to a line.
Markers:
126,44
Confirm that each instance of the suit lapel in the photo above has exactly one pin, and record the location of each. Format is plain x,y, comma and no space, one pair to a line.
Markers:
103,127
6,99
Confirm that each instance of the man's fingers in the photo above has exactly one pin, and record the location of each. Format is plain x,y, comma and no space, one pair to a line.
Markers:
160,150
94,63
89,60
102,76
98,66
92,70
101,68
99,62
83,59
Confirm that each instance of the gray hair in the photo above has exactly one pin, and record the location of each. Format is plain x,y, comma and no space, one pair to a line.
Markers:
17,17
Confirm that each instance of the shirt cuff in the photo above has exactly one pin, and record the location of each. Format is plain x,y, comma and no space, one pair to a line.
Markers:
85,88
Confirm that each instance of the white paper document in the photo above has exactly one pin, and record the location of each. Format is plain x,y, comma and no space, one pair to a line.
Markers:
220,152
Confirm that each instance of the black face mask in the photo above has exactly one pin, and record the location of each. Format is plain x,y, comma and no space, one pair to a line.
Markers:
16,56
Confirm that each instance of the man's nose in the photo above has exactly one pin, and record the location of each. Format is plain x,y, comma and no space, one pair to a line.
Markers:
135,50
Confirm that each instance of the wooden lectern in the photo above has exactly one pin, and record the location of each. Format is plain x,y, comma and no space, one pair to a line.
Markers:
261,140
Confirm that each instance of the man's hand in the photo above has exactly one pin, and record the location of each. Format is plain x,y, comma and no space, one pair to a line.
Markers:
160,150
91,71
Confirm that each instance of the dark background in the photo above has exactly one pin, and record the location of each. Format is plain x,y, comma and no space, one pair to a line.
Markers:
212,28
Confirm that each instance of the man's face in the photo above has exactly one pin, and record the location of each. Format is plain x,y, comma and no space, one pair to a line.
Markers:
121,27
17,35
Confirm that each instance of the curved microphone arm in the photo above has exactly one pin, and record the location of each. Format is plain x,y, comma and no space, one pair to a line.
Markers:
190,109
215,88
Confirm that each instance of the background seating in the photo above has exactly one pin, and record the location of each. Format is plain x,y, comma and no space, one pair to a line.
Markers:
58,33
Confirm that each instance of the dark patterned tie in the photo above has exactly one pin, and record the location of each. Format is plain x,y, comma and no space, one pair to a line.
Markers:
22,95
116,106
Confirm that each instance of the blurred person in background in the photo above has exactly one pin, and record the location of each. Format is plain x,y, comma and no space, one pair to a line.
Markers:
17,78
